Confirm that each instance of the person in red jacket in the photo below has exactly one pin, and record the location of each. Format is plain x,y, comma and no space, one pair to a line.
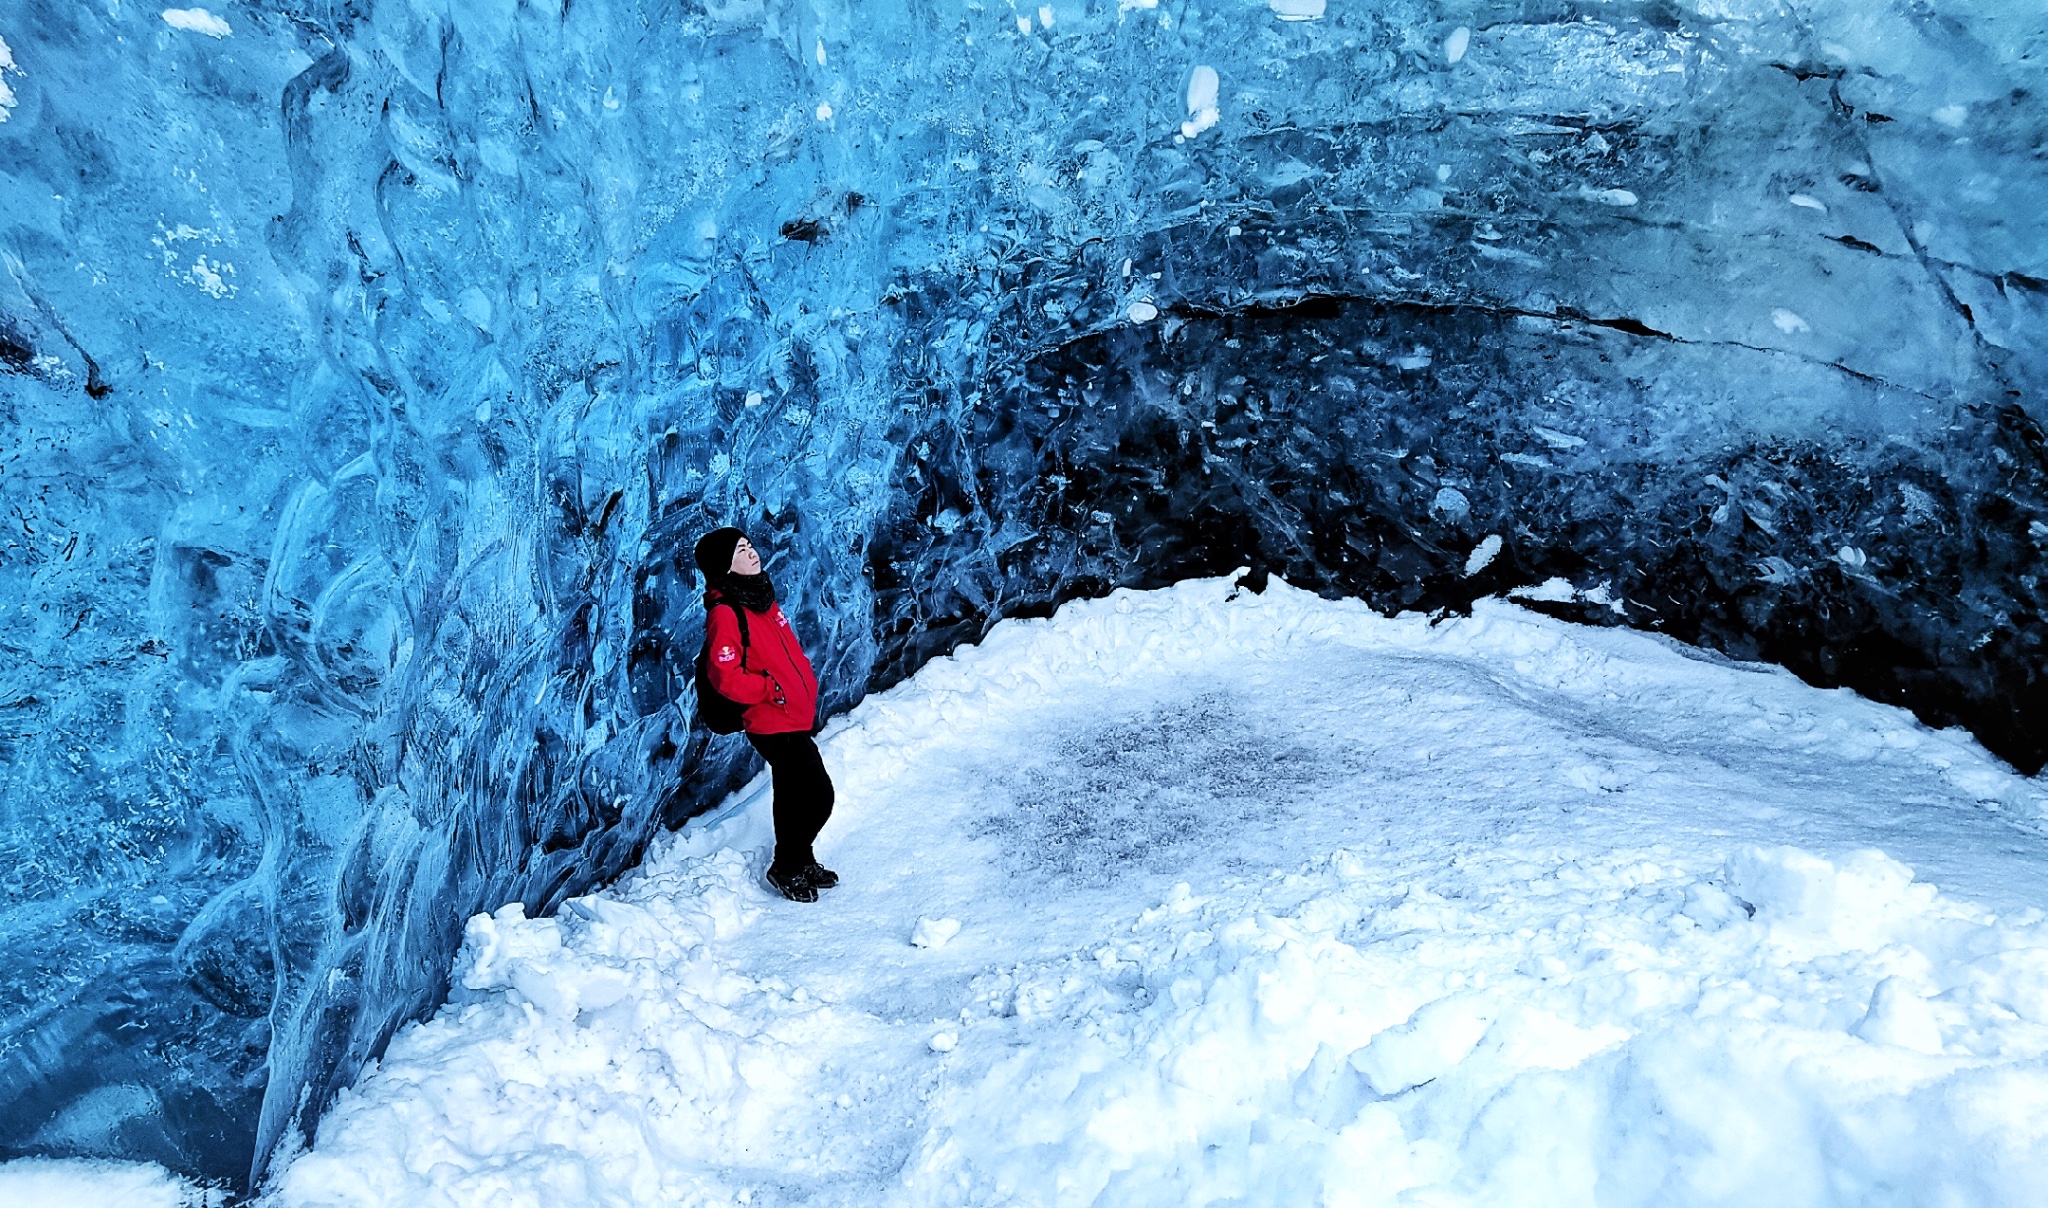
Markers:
763,669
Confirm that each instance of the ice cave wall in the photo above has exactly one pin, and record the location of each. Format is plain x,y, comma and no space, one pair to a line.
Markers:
368,368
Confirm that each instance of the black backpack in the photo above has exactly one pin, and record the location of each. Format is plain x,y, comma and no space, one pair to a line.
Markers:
719,715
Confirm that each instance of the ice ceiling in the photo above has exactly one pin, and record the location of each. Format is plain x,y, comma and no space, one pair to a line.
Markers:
368,369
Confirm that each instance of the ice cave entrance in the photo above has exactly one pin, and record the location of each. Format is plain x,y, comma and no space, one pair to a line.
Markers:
367,370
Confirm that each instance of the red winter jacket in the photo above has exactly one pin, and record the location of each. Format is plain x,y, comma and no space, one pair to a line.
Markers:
776,685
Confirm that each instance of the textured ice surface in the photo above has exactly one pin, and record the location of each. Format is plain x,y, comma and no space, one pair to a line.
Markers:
366,367
1856,532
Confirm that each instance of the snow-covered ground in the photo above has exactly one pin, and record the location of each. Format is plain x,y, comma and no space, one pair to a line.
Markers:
85,1183
1264,899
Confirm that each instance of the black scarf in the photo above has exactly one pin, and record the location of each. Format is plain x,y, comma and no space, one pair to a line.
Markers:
755,593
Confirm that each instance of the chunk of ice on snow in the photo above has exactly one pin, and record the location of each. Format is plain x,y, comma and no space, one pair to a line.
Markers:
1713,907
1454,46
1553,590
1298,10
1438,1037
1203,86
197,21
1607,197
1901,1018
1450,504
1855,903
1483,554
934,933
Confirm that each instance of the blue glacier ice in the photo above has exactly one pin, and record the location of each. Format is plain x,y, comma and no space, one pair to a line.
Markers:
369,366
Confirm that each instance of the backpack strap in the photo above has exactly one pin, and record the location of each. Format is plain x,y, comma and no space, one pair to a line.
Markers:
740,614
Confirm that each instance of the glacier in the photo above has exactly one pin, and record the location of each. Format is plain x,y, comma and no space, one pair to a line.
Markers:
369,367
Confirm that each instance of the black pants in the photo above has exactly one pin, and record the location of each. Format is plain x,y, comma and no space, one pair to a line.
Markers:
803,795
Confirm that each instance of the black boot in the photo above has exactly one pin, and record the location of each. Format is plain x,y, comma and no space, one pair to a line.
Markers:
820,876
793,885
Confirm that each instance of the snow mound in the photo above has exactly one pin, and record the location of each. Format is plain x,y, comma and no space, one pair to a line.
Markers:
1342,1038
1499,911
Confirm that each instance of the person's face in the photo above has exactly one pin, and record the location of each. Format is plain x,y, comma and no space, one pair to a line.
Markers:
745,561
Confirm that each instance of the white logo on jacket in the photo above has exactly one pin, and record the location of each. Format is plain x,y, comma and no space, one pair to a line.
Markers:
726,654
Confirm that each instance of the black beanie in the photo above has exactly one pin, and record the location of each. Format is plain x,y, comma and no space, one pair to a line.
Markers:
714,552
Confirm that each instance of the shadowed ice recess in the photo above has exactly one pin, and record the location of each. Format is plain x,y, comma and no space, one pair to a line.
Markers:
367,368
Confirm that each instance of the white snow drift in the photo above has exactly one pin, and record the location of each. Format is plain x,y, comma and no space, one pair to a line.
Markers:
1262,899
92,1183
